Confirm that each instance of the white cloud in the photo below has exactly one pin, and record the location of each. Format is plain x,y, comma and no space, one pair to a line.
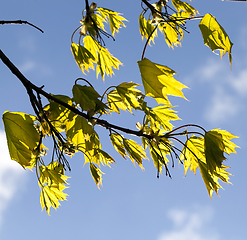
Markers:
221,107
211,69
10,176
190,225
239,82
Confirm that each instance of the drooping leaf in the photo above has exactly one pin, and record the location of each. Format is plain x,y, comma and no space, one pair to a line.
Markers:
183,6
158,153
114,18
22,137
96,174
211,179
81,134
216,143
192,152
163,114
158,81
195,154
147,29
104,59
115,102
88,99
215,36
83,57
52,174
50,197
52,183
104,157
135,151
57,114
117,142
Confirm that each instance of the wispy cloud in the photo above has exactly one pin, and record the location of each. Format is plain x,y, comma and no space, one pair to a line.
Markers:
190,225
10,175
221,106
225,91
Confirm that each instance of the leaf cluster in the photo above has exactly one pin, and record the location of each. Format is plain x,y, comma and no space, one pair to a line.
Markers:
70,121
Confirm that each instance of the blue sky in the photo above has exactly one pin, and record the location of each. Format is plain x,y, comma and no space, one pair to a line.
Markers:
132,204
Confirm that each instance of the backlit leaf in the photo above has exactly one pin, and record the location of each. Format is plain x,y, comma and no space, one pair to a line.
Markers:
192,152
114,18
117,142
147,29
88,99
96,174
183,6
215,36
80,133
216,143
104,59
135,151
158,81
22,137
52,183
163,114
211,179
83,57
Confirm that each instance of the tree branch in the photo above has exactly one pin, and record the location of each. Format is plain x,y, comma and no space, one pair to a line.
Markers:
20,22
28,85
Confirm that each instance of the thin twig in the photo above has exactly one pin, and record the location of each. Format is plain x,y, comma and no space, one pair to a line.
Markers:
20,22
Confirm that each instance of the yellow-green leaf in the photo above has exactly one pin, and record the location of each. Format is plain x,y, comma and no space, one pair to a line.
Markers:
216,143
87,97
117,142
183,6
135,151
192,152
104,59
211,179
158,153
163,114
215,36
158,81
83,57
81,134
50,197
147,29
114,18
96,174
22,137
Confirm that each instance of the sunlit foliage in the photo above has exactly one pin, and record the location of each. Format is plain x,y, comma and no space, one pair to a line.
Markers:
70,120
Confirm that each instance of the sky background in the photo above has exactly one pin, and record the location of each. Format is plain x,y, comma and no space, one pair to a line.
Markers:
132,204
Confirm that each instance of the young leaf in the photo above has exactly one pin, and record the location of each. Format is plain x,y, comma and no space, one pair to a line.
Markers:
115,102
83,57
158,81
50,197
163,114
215,36
22,137
104,59
57,114
117,142
147,29
52,183
216,143
211,179
192,152
87,97
114,18
96,174
183,6
158,153
80,133
135,151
